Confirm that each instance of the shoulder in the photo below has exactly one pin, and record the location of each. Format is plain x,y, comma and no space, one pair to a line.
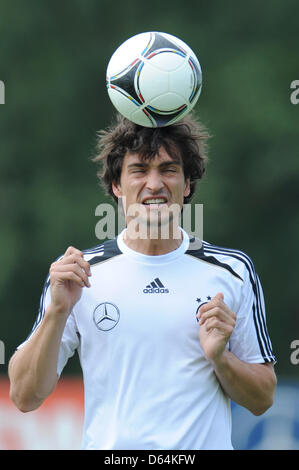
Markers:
99,253
229,253
236,261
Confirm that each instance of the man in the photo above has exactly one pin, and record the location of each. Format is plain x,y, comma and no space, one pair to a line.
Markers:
168,330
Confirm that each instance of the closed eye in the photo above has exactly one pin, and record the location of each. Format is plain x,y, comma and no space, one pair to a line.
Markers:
169,170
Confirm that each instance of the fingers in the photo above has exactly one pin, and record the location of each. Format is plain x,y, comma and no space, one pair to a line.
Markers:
67,276
75,255
75,259
222,327
72,266
216,301
221,313
217,309
73,251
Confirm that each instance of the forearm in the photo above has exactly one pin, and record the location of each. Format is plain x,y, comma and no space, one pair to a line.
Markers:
33,368
249,385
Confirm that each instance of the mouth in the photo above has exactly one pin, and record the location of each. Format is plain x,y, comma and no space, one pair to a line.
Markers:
154,201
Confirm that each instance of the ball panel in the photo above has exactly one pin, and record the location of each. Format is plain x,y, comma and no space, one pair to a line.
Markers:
196,69
165,119
152,82
167,61
123,103
161,41
127,53
143,118
180,44
179,115
167,103
182,81
149,44
125,81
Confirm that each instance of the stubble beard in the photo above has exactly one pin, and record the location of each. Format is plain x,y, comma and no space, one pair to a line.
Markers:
154,223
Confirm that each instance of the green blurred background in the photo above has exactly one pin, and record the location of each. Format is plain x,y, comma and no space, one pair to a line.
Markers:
53,57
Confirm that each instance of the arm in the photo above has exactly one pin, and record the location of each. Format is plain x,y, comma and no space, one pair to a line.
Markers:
249,385
33,368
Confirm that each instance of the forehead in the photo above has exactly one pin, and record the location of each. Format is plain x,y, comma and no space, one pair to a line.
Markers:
161,157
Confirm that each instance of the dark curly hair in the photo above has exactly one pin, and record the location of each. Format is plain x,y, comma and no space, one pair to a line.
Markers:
186,139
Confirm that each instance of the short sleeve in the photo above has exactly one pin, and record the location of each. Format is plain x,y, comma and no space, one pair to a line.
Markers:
70,337
69,343
250,340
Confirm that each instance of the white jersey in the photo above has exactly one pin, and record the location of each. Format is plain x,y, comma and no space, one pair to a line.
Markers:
147,382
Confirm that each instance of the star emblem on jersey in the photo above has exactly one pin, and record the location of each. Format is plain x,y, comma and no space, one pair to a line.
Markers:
201,302
106,316
155,287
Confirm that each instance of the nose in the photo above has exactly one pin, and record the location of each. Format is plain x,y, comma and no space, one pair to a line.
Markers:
154,182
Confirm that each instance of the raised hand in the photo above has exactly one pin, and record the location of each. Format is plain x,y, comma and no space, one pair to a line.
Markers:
67,278
217,323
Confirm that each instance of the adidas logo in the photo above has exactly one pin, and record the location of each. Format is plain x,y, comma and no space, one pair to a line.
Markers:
155,287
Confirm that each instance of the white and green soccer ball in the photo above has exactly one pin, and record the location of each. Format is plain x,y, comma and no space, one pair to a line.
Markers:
154,79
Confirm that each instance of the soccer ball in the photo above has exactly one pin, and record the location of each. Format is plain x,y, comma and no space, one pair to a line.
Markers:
154,79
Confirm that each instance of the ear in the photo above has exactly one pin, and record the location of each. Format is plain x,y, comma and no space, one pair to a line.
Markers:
187,187
116,189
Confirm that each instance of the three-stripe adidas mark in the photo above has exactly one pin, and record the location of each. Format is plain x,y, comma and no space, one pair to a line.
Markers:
155,287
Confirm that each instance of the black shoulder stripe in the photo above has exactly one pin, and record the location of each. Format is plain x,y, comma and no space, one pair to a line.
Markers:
258,328
95,249
212,260
41,310
110,250
259,318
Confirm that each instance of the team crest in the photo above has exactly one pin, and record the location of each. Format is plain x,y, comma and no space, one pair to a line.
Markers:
201,301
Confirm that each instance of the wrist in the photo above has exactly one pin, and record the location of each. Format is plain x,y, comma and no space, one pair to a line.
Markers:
221,361
56,312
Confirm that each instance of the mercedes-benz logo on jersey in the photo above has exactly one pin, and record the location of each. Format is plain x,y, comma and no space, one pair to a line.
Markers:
106,316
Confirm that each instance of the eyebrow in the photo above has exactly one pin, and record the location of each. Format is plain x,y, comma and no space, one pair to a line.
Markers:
161,165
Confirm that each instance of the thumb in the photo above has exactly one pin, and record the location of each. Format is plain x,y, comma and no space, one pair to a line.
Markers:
219,295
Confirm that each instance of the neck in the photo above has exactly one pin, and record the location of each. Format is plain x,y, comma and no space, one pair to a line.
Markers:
156,245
